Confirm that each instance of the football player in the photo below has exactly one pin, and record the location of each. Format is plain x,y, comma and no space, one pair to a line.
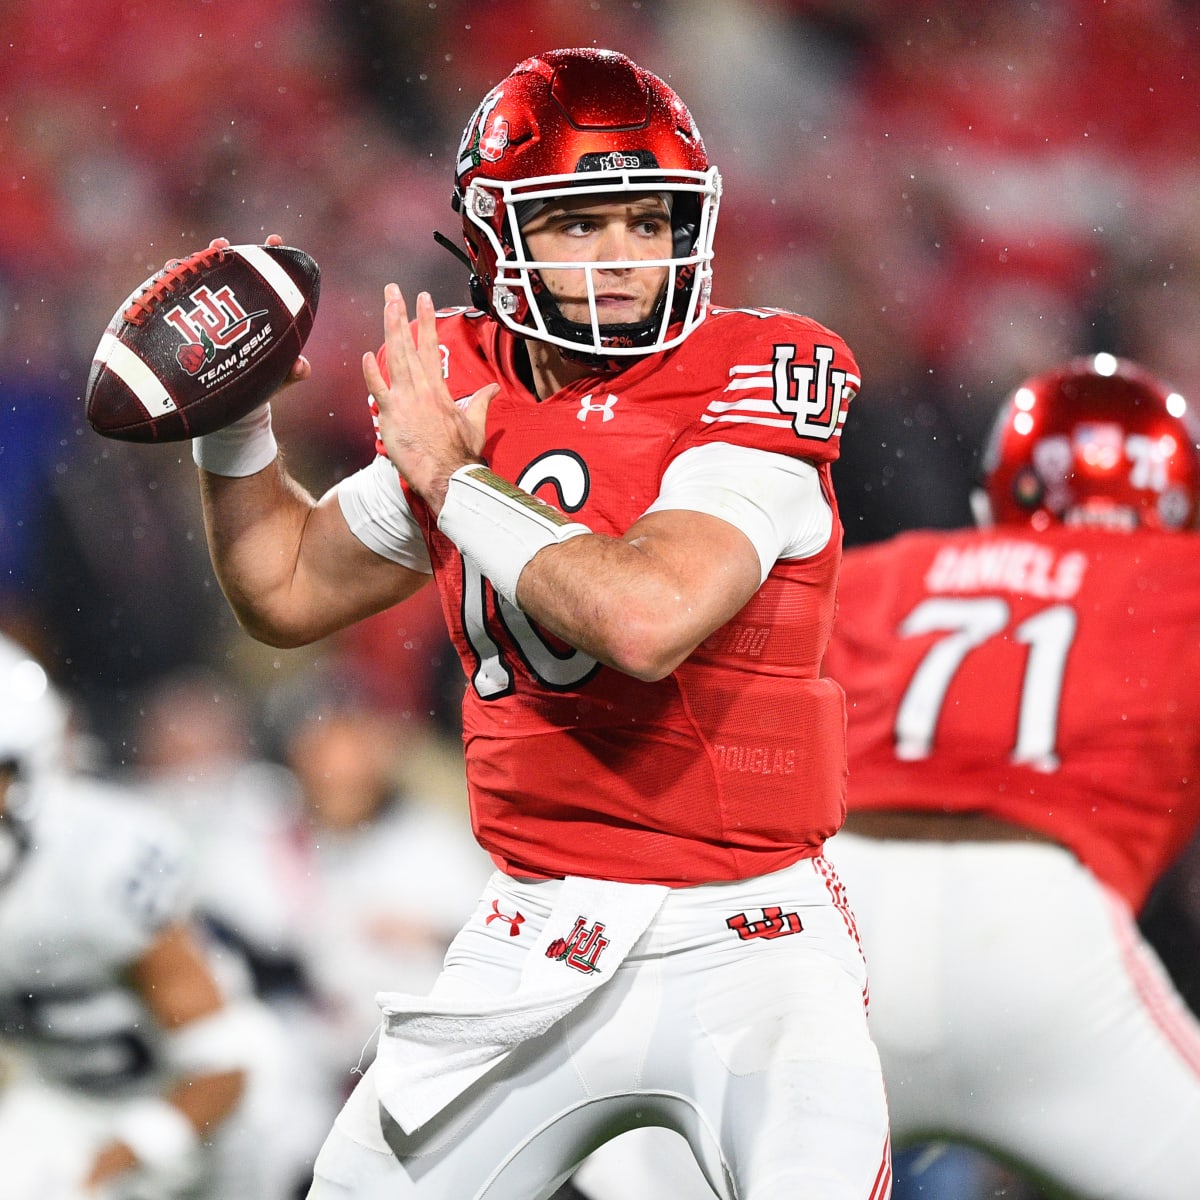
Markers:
137,1065
1024,730
623,496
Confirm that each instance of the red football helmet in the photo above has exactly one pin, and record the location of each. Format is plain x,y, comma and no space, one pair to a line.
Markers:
584,122
1099,441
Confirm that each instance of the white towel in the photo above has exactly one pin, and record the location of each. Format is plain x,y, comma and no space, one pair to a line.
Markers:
433,1048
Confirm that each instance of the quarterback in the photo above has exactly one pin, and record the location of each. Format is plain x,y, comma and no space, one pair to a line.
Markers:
1024,729
623,497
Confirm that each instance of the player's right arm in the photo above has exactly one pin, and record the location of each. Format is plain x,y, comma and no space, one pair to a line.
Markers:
289,565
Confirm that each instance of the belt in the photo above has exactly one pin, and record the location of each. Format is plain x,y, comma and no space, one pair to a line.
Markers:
916,826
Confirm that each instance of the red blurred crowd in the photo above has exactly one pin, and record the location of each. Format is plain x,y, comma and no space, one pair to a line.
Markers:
966,192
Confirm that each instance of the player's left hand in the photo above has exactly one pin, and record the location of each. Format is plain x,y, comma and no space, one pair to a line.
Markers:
426,434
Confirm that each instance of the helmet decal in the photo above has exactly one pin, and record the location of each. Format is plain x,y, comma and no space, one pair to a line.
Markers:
468,148
492,143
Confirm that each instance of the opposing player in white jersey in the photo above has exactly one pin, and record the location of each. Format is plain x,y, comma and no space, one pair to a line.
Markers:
1024,731
137,1070
625,501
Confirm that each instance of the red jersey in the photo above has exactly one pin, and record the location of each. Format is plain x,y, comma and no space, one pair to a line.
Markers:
732,766
1046,679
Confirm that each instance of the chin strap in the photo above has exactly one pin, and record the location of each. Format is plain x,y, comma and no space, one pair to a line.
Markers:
478,289
454,248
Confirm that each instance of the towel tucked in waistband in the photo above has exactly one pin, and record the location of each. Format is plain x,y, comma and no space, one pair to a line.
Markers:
432,1048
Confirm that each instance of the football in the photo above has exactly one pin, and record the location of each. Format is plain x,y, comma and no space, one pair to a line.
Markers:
201,343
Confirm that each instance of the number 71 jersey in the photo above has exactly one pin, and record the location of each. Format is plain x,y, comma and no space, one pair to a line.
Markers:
734,765
1046,679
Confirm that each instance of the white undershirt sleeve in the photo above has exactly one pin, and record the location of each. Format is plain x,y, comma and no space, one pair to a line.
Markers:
375,508
776,501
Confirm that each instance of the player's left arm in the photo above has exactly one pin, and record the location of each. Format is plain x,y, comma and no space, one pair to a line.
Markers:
643,602
681,571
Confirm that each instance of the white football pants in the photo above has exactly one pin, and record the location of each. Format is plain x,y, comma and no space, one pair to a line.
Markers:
737,1020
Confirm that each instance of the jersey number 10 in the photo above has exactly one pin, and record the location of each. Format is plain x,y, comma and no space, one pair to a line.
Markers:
554,669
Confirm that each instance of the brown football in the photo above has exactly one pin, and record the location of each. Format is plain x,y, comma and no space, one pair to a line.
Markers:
201,343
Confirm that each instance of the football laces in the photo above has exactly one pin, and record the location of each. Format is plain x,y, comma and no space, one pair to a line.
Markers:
175,273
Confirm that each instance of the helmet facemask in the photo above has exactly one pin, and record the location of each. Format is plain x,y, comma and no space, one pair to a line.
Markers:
519,298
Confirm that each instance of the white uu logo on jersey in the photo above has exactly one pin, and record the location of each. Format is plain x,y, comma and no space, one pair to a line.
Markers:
814,393
605,407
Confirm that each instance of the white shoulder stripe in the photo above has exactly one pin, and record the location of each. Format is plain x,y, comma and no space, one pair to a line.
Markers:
136,376
749,381
746,404
781,419
277,278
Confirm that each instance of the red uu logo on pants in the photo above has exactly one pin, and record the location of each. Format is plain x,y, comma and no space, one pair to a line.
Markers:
775,923
581,947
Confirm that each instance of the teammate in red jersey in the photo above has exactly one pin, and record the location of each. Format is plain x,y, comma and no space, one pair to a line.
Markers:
624,499
1024,735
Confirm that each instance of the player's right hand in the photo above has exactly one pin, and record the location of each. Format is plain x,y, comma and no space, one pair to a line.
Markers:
301,369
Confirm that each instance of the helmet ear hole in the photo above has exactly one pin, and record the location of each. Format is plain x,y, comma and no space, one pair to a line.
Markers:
1027,489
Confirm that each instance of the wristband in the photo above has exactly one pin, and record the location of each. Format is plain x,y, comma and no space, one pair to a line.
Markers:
231,1039
498,526
161,1137
241,448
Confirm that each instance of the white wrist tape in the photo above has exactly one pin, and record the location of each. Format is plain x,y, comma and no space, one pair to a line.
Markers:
498,526
163,1139
243,448
233,1038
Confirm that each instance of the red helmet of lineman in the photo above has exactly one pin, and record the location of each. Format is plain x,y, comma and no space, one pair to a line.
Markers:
1100,441
578,123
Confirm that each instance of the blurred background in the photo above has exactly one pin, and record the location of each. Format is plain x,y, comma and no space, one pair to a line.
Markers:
967,192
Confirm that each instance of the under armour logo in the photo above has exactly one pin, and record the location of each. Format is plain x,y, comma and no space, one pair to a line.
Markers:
514,922
588,405
775,923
